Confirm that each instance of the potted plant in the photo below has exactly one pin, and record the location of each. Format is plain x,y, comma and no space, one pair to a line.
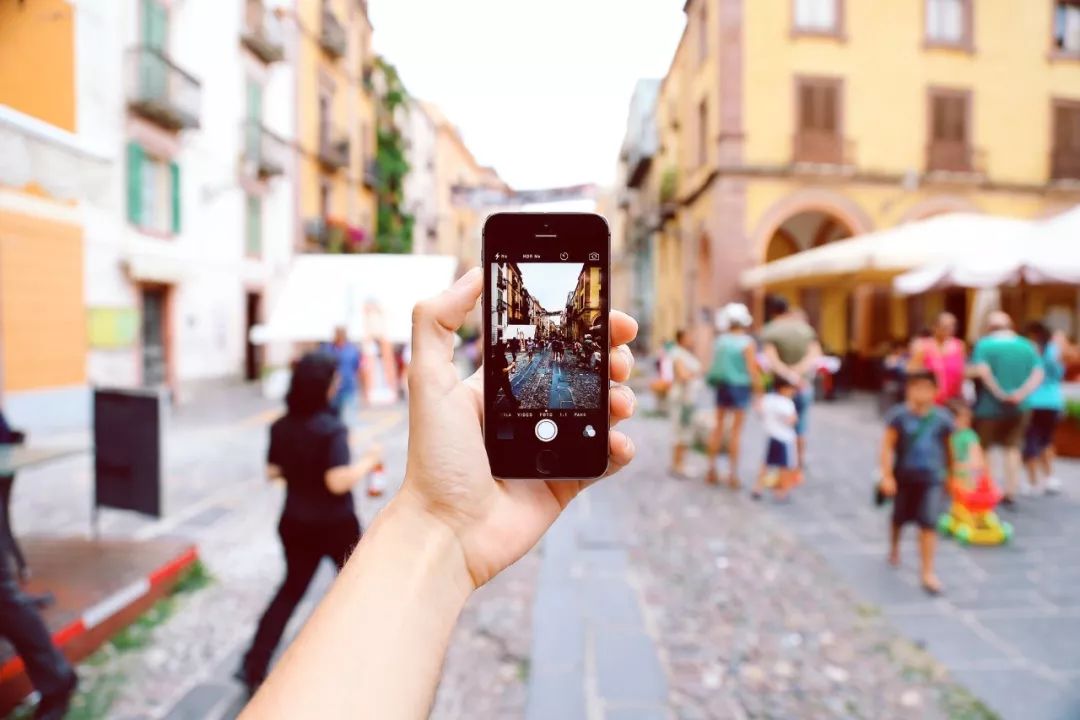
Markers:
1067,438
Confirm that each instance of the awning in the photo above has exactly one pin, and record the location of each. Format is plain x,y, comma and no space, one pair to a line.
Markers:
879,256
1048,253
367,294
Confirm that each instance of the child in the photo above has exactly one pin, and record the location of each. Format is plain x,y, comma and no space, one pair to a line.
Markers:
915,461
969,462
781,456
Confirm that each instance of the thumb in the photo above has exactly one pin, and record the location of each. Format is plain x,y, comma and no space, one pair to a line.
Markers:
435,321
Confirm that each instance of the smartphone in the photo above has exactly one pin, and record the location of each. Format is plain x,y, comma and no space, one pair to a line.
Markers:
546,300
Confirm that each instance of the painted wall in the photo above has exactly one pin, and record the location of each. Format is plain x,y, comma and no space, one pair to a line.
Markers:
37,45
420,186
886,72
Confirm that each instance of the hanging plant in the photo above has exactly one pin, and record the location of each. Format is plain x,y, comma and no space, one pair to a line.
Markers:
395,226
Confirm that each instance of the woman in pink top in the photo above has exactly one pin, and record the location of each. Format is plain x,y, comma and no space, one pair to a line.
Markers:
945,355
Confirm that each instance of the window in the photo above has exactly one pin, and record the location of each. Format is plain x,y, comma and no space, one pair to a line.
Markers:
818,135
1066,151
703,134
253,226
950,147
818,16
324,199
153,192
1067,26
948,22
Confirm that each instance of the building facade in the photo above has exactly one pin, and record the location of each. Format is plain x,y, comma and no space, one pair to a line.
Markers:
159,170
583,305
787,124
421,189
336,125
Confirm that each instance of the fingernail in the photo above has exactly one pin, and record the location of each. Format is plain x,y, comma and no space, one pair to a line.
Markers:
630,397
628,445
629,356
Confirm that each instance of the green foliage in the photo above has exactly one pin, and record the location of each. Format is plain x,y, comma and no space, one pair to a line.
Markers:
395,225
1072,410
668,185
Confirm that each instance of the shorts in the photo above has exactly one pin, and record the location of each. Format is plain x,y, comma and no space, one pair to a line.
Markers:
683,424
736,397
781,454
917,502
802,399
1002,431
1040,432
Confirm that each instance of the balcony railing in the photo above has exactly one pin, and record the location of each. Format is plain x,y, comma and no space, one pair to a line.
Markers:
329,235
1065,164
332,34
265,153
949,157
333,148
262,33
160,91
371,173
821,148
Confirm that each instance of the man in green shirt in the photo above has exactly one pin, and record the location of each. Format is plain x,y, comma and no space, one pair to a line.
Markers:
1008,366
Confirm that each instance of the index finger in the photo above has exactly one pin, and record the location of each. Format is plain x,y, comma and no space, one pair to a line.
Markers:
623,328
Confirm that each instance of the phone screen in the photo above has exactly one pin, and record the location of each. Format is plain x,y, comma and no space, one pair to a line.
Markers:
546,345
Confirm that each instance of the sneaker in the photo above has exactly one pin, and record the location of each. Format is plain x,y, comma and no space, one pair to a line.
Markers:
1053,485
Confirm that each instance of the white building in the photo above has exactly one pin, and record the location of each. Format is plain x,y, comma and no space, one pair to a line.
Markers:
420,187
179,172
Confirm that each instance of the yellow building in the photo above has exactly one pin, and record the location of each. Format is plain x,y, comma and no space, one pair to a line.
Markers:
336,123
815,120
583,304
43,343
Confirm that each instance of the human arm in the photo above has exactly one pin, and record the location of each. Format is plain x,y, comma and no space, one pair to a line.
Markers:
809,361
343,478
886,460
779,367
273,472
374,646
1030,385
757,382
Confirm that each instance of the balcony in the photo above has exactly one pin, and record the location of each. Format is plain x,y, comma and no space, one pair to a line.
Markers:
501,283
333,148
821,148
332,34
371,174
953,157
265,153
160,91
329,235
262,33
1065,164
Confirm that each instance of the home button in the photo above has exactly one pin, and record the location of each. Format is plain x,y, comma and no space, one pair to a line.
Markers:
546,430
547,462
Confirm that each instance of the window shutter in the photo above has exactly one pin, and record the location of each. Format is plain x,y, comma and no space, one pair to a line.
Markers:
174,175
134,183
828,109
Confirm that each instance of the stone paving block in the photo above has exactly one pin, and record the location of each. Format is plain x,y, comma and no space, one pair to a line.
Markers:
1019,694
949,639
202,700
875,581
992,596
556,695
558,631
635,713
610,601
628,669
603,562
1054,641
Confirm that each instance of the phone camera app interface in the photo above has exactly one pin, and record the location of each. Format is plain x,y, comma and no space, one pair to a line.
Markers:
547,337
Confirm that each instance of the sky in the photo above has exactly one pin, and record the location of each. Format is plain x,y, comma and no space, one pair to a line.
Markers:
540,89
550,283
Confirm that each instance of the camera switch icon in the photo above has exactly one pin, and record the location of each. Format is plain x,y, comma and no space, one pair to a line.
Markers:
594,257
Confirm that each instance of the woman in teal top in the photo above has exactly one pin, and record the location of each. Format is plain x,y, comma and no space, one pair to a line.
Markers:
735,375
1046,405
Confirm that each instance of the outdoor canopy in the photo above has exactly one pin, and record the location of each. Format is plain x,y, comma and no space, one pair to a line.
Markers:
950,240
366,294
1045,253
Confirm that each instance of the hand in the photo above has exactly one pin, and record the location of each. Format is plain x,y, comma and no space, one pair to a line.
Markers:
448,477
888,485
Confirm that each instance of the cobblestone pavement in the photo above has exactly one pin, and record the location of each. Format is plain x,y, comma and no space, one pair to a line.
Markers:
543,383
1008,624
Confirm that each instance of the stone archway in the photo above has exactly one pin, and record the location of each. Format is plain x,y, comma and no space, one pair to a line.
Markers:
938,205
845,214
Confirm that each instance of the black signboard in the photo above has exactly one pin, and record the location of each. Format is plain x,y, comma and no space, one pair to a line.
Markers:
128,450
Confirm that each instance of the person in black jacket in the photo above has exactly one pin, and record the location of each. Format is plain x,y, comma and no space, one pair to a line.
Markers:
309,449
20,623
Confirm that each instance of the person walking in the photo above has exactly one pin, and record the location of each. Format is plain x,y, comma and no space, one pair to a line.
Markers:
735,375
309,450
945,355
556,349
915,463
779,417
686,369
346,401
792,351
1010,370
22,625
503,368
1047,403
